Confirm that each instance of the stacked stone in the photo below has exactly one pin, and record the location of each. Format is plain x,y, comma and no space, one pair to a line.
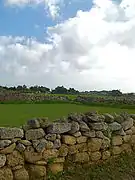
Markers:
32,151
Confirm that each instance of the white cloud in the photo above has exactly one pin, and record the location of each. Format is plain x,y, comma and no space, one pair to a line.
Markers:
94,50
52,6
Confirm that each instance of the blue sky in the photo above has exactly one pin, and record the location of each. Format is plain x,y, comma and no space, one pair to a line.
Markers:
32,21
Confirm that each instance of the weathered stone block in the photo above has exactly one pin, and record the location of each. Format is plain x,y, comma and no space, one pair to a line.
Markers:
2,160
15,159
106,155
8,149
63,151
36,171
11,133
116,140
59,128
81,157
21,174
116,150
95,156
126,138
127,124
94,144
6,173
81,139
70,140
34,134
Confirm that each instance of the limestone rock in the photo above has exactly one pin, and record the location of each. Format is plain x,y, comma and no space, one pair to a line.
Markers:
25,142
51,137
99,134
74,127
73,149
2,160
70,140
59,128
50,153
81,139
77,134
129,132
21,174
36,171
41,145
34,134
33,123
126,148
4,143
63,151
8,149
6,173
108,118
126,138
115,126
116,140
106,142
81,157
20,147
95,156
10,133
116,150
49,145
120,132
133,129
82,147
84,127
106,155
127,124
102,126
32,157
57,144
133,139
118,118
89,134
94,144
15,159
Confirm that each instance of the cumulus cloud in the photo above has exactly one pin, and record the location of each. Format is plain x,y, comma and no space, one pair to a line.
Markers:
94,50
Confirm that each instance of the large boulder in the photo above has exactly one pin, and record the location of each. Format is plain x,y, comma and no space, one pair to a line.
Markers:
11,133
59,128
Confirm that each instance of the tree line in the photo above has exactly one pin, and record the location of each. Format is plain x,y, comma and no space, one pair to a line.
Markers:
57,90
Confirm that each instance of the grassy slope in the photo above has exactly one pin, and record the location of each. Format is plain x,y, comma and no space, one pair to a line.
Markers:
17,114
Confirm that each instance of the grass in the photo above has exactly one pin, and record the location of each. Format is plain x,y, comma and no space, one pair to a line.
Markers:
18,114
120,168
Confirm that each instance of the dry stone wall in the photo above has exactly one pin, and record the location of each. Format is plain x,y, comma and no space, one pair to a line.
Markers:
39,147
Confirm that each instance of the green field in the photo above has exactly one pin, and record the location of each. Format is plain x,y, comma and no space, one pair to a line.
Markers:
18,114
